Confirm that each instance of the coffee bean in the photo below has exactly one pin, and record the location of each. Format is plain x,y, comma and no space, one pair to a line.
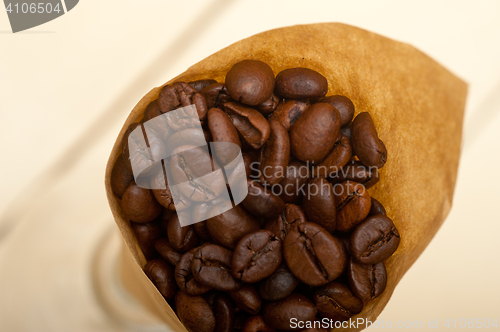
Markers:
211,266
367,281
314,255
275,154
181,238
169,198
139,204
353,204
279,285
314,134
278,315
121,177
261,201
184,275
335,301
222,130
146,235
178,95
194,312
357,172
162,275
224,313
301,83
256,256
376,208
199,85
288,111
347,131
287,220
374,240
293,184
367,146
268,107
252,125
337,158
166,251
319,204
344,105
256,324
247,299
228,227
250,82
191,167
216,95
201,229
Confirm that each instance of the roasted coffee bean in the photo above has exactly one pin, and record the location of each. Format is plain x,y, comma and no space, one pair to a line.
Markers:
169,198
121,177
152,111
146,235
199,85
300,83
201,230
252,125
166,251
367,146
256,324
256,256
335,301
275,154
314,255
314,134
279,285
191,167
211,266
228,227
195,313
367,281
336,159
181,94
374,240
357,172
181,238
216,95
261,201
224,313
250,82
125,151
376,208
347,131
279,314
139,204
184,276
287,220
162,275
344,105
293,184
288,111
268,107
222,130
247,299
353,204
319,203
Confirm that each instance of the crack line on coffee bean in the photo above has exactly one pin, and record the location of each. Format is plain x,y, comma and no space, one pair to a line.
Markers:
257,254
372,280
338,306
379,242
347,200
310,248
208,193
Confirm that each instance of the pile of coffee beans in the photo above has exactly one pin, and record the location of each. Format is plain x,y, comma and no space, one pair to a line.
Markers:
308,242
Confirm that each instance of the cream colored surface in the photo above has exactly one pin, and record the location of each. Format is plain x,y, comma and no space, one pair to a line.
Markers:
64,95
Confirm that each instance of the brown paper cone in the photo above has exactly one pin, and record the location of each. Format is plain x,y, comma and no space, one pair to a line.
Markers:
416,104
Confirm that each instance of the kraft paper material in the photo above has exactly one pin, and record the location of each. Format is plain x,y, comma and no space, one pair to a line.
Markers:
417,106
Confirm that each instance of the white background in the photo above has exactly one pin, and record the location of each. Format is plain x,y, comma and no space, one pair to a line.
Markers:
67,86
